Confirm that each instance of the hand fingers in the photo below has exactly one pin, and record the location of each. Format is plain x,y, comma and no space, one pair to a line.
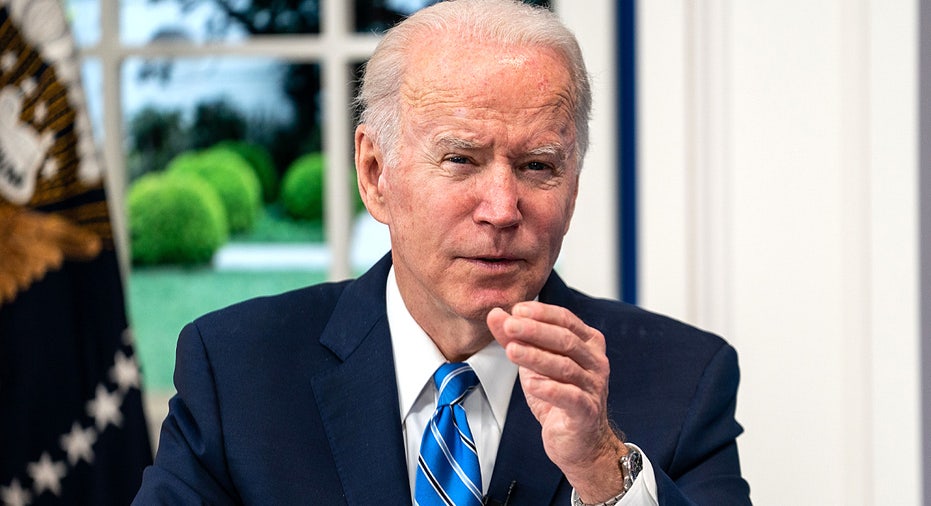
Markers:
551,341
557,378
550,328
568,397
554,315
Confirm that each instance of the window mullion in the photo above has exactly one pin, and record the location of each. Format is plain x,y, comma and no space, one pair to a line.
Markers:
114,161
335,26
294,48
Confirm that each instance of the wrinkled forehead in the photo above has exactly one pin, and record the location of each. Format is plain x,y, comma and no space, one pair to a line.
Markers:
484,73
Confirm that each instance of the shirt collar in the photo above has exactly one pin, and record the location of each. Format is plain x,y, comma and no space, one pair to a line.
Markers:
416,358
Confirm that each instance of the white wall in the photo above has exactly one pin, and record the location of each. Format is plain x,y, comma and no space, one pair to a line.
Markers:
778,195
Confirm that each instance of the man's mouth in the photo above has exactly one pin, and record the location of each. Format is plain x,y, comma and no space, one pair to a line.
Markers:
495,261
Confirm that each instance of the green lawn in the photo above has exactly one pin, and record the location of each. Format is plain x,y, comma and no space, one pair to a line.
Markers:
161,300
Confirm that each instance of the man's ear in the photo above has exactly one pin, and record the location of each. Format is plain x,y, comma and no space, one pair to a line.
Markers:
370,165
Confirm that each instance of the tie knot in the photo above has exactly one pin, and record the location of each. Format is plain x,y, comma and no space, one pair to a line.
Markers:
453,382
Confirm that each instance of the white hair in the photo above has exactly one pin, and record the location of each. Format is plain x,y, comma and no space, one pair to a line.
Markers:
505,22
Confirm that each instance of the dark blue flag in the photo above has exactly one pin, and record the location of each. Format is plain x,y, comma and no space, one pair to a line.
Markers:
72,429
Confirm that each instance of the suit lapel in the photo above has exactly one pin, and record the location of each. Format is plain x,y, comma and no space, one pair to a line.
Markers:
358,398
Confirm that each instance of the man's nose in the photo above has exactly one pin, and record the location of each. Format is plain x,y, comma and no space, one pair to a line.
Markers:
498,195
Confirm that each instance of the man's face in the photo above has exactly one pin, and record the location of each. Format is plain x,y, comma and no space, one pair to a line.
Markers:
486,184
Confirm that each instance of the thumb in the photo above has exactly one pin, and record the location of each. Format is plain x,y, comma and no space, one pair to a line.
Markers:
495,320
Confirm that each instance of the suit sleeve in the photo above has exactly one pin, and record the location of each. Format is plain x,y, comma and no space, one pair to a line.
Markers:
190,466
706,468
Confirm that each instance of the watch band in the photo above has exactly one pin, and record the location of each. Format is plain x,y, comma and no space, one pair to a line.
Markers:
630,465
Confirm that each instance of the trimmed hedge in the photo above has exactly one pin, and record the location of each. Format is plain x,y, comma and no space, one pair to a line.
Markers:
261,163
174,218
302,188
232,178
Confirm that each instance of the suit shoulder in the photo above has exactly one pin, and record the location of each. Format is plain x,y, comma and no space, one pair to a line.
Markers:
638,327
302,306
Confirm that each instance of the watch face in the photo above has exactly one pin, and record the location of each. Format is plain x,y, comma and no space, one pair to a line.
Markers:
631,465
636,463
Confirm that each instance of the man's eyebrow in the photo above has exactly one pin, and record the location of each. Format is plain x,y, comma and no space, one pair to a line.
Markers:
555,149
453,143
450,142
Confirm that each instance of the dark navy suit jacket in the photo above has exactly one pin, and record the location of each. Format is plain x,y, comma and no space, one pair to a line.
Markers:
292,399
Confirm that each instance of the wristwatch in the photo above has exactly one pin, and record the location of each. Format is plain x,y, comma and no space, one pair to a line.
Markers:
630,465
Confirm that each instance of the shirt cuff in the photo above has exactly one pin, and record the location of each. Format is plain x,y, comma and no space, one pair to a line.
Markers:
643,491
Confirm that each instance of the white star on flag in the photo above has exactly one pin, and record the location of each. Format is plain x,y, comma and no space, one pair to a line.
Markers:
124,372
28,86
50,169
127,337
47,475
15,495
105,408
8,61
40,112
79,444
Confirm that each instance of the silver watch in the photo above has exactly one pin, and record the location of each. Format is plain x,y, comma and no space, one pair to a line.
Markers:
630,465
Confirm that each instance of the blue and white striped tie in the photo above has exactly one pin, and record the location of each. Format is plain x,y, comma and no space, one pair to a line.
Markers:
448,472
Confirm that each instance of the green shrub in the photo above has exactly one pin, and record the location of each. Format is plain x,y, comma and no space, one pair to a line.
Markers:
174,218
231,177
303,187
261,162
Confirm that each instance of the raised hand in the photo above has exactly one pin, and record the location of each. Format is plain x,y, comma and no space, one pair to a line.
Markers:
564,374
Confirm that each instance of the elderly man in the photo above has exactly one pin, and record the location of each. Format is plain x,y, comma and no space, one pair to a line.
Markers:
460,369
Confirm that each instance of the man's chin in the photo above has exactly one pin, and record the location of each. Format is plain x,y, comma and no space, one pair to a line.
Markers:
478,308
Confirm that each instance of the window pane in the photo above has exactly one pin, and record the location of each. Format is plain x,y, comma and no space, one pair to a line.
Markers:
379,15
84,16
271,102
198,21
92,81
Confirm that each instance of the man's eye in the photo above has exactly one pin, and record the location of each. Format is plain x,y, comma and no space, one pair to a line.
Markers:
458,159
537,166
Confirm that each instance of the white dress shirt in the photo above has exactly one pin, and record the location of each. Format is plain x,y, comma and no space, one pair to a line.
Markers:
416,358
